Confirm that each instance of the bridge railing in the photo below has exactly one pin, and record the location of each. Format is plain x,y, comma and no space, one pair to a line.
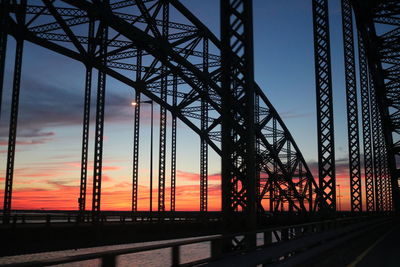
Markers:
106,217
270,237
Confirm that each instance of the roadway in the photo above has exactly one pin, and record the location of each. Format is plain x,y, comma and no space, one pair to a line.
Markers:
384,252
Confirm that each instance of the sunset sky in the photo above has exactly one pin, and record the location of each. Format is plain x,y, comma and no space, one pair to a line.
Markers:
47,163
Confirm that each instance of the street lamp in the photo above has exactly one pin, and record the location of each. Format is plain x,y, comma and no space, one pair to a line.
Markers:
339,196
151,148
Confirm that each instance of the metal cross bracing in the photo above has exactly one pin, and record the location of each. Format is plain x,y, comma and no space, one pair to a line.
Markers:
136,133
163,112
366,126
377,140
86,122
323,81
178,62
100,108
173,144
203,143
238,142
352,109
378,23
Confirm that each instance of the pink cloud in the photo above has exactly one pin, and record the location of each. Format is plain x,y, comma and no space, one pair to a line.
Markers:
190,176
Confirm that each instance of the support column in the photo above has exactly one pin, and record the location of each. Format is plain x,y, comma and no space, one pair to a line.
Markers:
274,178
203,143
14,113
323,81
86,122
376,147
100,106
366,124
383,165
163,117
173,143
352,110
136,132
258,152
238,139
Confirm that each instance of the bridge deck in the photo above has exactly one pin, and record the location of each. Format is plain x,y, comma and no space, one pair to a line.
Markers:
383,252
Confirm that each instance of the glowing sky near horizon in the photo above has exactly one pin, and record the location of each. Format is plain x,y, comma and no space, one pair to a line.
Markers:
47,163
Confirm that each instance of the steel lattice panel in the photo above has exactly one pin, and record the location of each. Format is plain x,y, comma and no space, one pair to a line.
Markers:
378,22
326,147
352,110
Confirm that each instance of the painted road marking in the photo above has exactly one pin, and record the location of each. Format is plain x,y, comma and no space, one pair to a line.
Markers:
362,255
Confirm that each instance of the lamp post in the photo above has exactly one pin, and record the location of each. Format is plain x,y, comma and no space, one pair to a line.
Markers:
151,149
339,196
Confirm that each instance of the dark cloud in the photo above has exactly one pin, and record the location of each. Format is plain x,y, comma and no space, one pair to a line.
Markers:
341,166
44,105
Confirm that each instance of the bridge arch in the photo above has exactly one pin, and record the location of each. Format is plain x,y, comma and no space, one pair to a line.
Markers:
171,57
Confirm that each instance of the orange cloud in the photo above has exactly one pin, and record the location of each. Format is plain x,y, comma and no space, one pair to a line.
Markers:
190,176
59,189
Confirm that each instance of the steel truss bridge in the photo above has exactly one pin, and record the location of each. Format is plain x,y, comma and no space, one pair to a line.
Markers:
207,83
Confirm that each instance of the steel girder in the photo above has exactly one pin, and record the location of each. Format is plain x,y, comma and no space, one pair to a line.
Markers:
12,135
366,124
136,134
203,143
86,123
172,63
323,81
377,139
174,144
379,25
100,110
238,173
352,110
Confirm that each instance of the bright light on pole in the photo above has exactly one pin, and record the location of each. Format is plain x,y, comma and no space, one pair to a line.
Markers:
339,196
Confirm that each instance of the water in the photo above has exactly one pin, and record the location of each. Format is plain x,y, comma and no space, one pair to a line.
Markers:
160,257
155,258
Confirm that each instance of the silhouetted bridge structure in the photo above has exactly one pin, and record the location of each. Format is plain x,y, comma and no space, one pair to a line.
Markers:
169,58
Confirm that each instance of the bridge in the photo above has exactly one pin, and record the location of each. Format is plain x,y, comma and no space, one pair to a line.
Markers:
172,62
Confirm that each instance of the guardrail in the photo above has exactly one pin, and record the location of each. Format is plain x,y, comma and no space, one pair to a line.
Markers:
267,238
104,217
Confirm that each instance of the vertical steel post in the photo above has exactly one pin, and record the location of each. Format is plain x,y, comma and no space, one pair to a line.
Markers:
173,143
151,155
273,178
366,124
203,143
163,117
238,139
86,121
352,110
136,132
383,166
14,111
323,81
376,147
258,157
99,132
